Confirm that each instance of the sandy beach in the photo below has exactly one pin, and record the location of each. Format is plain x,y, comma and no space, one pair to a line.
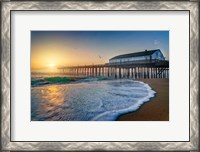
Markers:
157,109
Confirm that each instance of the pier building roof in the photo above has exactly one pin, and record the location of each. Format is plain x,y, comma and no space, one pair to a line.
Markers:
136,54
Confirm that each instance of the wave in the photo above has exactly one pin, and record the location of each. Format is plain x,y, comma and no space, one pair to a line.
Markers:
42,81
112,115
51,80
89,100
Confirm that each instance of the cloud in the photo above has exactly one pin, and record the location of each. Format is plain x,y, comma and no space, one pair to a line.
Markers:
156,42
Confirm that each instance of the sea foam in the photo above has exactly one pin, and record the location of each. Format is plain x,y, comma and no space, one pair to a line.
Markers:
89,101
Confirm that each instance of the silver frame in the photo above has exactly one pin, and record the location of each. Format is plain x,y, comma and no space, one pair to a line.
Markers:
7,6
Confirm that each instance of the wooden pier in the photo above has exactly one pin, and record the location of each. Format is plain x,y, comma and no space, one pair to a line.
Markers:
136,70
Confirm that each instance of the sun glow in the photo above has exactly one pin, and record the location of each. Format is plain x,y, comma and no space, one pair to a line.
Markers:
51,65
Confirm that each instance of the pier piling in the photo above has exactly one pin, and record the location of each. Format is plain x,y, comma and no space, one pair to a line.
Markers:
148,70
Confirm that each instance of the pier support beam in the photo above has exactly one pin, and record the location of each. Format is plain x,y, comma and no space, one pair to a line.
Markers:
120,74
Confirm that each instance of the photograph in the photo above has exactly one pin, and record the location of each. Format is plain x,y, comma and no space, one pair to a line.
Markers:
99,75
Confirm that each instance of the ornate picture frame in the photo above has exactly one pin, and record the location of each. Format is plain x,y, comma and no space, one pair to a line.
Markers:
7,7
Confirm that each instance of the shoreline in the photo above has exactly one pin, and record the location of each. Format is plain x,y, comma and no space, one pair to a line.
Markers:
157,108
89,101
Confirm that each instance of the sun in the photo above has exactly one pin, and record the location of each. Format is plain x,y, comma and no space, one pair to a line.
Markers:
51,65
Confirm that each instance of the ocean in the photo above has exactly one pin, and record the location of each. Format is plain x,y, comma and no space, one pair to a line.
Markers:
90,99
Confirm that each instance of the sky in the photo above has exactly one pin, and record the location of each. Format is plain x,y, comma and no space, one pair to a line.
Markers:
67,48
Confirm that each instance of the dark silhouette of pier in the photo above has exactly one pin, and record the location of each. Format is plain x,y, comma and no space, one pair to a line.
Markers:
137,69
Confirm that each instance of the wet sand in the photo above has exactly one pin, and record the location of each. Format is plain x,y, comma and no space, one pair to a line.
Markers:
157,109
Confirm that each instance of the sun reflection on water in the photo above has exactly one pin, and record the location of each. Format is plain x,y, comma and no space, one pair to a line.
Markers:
51,103
54,95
